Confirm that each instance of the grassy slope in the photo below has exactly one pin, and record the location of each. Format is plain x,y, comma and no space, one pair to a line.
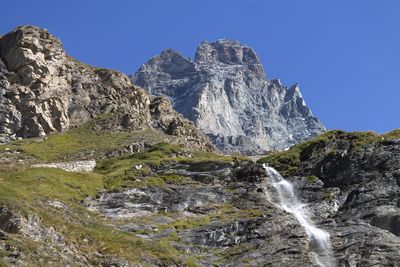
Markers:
83,142
25,189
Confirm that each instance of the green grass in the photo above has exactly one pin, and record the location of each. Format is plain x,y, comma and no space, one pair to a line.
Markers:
219,213
187,223
121,172
25,186
82,142
312,178
26,189
191,262
395,134
110,241
289,162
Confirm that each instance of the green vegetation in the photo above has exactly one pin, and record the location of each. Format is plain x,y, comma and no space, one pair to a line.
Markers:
325,145
220,213
187,223
27,185
2,263
395,134
360,139
87,66
122,173
28,190
82,142
328,196
312,178
191,262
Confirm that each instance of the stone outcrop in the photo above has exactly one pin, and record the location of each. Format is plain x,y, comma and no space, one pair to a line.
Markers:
43,91
225,92
352,181
252,229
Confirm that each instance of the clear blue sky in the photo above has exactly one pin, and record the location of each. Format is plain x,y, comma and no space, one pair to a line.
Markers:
345,54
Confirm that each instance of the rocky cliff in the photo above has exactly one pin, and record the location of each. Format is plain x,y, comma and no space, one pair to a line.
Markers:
225,92
353,183
43,91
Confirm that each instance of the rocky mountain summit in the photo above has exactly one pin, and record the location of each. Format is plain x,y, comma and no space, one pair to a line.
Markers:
225,92
43,91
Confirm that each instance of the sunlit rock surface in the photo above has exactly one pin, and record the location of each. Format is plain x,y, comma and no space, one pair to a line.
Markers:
44,91
225,92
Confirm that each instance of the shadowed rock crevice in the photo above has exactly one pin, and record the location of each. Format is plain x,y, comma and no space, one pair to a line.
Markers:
388,222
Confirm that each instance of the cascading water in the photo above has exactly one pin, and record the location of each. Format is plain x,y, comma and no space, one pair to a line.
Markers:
319,239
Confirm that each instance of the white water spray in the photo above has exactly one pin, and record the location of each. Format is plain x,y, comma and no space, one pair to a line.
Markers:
319,239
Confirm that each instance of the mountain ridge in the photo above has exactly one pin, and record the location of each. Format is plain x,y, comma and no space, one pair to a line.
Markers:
225,92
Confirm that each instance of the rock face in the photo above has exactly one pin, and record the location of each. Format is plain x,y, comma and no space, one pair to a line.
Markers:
243,224
352,179
349,182
225,92
42,91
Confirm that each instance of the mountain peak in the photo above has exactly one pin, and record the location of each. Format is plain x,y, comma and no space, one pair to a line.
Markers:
15,47
229,52
224,91
226,51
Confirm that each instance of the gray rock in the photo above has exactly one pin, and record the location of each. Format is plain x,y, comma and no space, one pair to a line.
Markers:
275,237
3,235
224,213
356,194
225,92
43,91
144,201
10,222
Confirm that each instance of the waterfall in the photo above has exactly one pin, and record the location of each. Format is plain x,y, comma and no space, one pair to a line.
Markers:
319,239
